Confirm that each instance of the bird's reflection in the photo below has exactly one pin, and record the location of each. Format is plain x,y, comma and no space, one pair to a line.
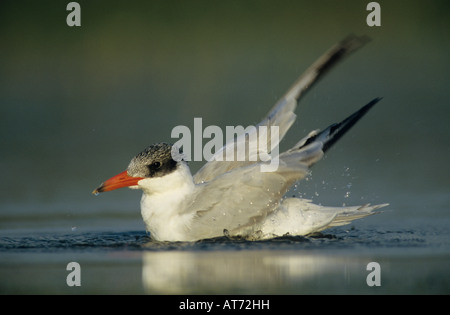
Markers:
237,272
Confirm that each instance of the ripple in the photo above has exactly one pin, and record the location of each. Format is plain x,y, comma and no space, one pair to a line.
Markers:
139,240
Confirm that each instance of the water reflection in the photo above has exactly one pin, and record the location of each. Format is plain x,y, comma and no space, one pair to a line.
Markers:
244,272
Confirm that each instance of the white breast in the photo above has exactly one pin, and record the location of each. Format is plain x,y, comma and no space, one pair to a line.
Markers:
162,204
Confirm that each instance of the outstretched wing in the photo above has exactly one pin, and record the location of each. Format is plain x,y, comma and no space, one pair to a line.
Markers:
281,115
238,201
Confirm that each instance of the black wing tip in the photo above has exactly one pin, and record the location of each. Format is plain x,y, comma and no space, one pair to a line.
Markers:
336,131
353,39
352,119
345,47
372,102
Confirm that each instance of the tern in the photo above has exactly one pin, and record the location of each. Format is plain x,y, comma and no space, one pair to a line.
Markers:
235,198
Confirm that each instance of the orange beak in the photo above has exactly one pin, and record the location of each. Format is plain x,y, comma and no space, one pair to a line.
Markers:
118,181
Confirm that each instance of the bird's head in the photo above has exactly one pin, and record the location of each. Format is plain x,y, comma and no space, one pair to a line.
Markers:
157,160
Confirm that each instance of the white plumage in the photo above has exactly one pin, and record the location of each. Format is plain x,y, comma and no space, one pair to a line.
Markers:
236,198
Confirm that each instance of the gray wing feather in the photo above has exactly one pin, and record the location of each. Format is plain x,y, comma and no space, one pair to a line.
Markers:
282,114
240,207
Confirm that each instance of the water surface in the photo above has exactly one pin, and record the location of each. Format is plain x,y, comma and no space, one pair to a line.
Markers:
413,260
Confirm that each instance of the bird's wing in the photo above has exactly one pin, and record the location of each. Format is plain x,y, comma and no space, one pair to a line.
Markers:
237,201
281,115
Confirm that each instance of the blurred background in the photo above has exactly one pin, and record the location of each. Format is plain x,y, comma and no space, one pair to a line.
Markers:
77,103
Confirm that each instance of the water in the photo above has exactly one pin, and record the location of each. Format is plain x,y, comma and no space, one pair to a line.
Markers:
77,103
413,260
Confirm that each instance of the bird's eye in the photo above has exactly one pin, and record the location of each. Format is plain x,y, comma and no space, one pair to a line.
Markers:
155,165
153,168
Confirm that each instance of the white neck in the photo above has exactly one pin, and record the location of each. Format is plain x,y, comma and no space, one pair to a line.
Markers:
162,203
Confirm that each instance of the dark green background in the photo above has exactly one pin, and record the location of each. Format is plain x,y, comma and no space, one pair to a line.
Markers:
77,103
